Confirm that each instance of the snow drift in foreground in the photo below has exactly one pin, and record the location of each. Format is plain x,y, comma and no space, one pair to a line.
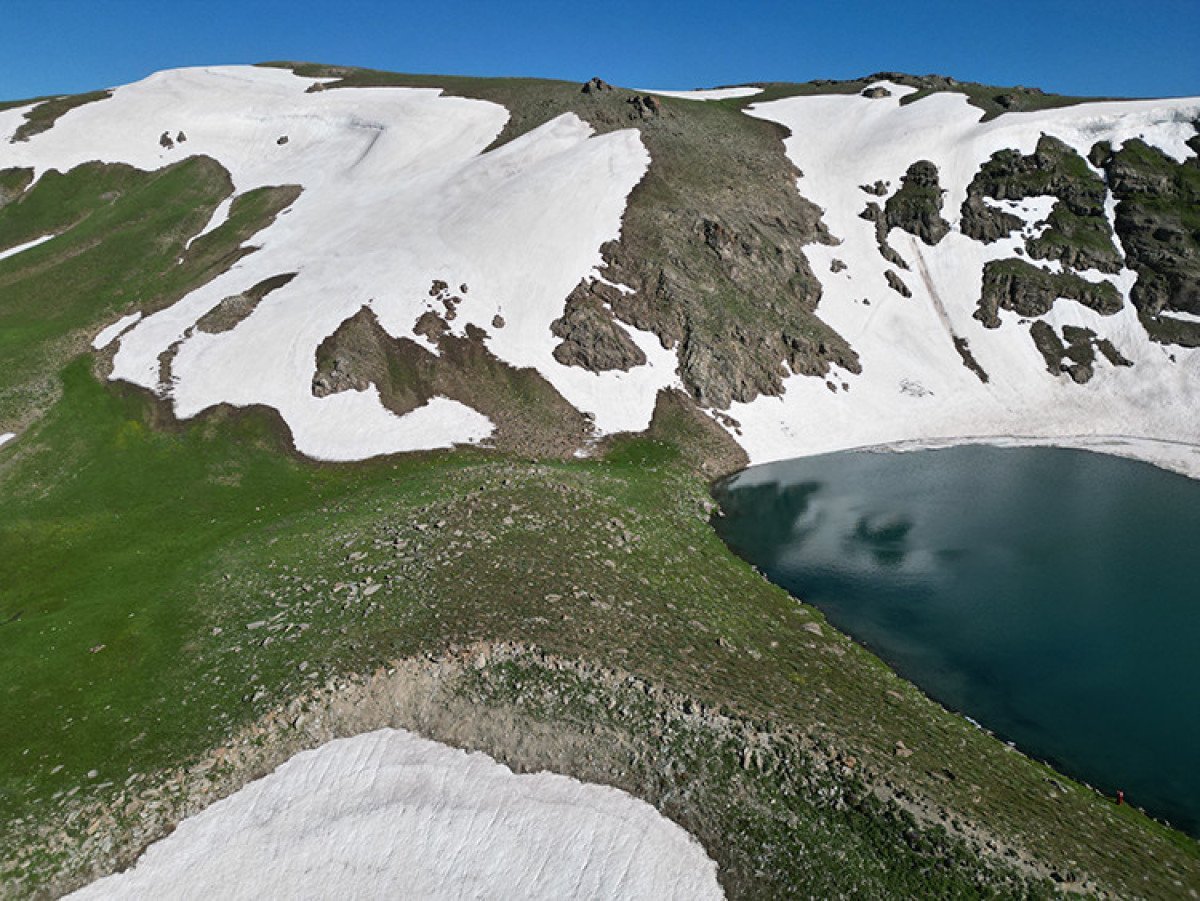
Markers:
388,814
914,390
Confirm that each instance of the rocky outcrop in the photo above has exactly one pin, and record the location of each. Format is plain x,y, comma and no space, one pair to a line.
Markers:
1075,352
1029,291
13,183
720,274
645,106
968,358
1158,220
590,337
986,223
596,86
917,206
1079,242
1077,232
897,284
529,415
226,315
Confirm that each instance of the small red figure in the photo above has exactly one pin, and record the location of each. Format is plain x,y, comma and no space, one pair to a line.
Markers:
1120,797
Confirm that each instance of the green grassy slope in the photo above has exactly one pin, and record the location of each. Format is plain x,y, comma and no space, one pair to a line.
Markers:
120,247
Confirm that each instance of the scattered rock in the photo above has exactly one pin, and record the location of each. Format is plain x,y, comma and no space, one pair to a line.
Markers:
645,106
596,86
591,338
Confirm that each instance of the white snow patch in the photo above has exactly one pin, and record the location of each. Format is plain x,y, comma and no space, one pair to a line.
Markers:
914,389
218,218
388,814
397,192
110,333
708,93
1180,315
7,437
13,251
596,276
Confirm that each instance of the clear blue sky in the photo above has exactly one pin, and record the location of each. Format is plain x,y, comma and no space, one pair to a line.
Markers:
1108,47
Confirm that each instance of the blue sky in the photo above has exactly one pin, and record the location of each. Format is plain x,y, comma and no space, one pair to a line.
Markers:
1098,47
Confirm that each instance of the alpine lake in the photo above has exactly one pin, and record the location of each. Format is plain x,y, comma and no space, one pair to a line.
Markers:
1052,596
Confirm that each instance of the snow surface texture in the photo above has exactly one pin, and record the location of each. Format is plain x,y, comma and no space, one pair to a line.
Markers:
397,192
709,93
914,390
6,437
391,815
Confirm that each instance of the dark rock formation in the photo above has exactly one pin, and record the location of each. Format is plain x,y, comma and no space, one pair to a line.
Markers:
876,93
591,339
713,246
1029,291
1078,232
1158,220
596,86
1075,353
917,206
530,416
430,326
166,142
897,284
1080,242
986,223
964,350
645,106
873,212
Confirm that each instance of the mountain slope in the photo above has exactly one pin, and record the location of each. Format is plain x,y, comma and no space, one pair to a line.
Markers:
536,268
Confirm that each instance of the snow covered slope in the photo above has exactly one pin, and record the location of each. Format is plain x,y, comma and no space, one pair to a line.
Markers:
406,212
391,815
914,387
397,193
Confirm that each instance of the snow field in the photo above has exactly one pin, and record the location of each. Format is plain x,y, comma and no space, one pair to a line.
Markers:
388,814
397,193
708,93
914,388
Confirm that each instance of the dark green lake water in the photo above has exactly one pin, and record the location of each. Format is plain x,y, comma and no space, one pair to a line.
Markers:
1051,595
